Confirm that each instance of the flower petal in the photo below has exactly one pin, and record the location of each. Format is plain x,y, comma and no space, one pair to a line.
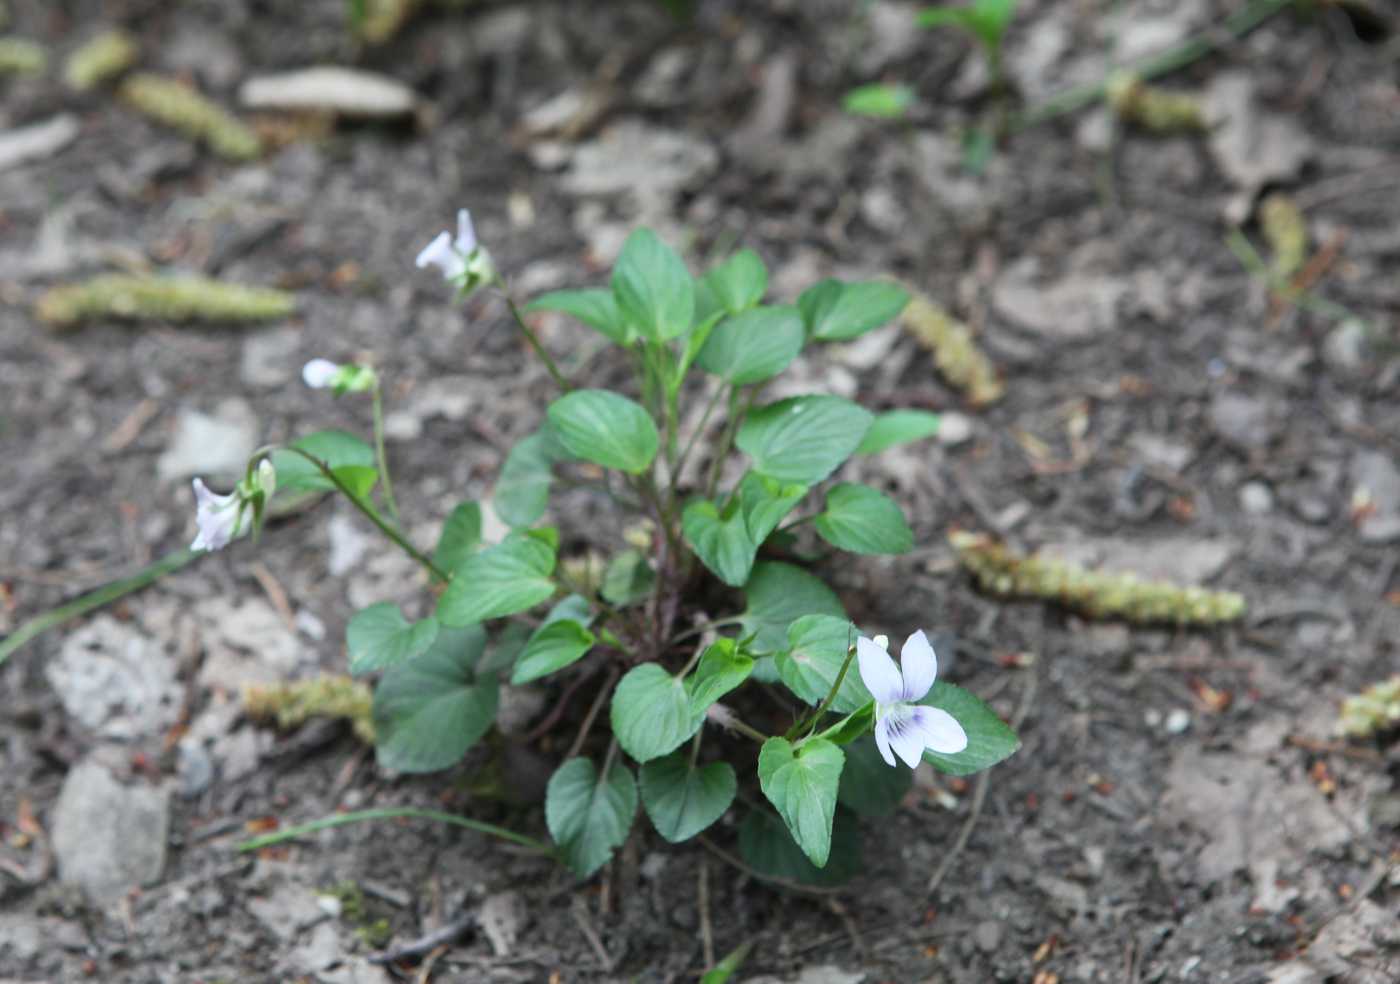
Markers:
905,736
938,730
439,253
466,233
919,665
882,740
878,671
318,373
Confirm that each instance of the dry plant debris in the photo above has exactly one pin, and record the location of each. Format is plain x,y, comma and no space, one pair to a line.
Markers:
182,108
328,696
1153,108
955,352
1375,709
100,60
135,298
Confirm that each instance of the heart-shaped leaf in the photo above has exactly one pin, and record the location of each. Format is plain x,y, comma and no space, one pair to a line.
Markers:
654,290
628,579
803,439
461,534
898,427
682,798
721,669
588,814
834,311
753,346
863,520
595,307
777,595
767,846
510,577
740,282
651,712
723,545
801,782
522,487
379,636
989,739
605,428
817,648
335,448
553,646
765,502
429,710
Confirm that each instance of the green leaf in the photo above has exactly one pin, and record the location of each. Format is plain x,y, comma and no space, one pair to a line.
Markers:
886,102
605,428
817,646
898,427
522,487
358,479
379,636
461,534
510,577
335,448
596,307
740,282
654,291
651,712
778,594
722,971
753,346
428,711
505,648
987,20
721,669
868,785
552,647
803,439
683,799
834,311
765,502
768,847
864,521
723,545
628,579
854,725
589,815
802,782
989,739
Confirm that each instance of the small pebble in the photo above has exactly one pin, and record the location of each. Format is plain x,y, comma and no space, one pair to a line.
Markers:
987,936
1178,721
1256,498
953,429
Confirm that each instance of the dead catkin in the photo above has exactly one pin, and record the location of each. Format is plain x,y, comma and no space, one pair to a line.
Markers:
1003,572
182,108
1157,110
21,57
955,352
384,18
100,60
1286,232
330,696
129,298
1375,709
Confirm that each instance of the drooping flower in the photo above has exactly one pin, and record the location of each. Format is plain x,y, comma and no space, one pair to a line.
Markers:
217,517
319,373
903,726
462,259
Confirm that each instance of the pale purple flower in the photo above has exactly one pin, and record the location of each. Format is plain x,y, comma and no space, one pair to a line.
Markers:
903,726
217,517
319,373
452,255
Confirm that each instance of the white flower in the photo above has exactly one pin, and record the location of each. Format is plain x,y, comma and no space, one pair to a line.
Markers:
217,517
462,260
904,727
319,373
267,478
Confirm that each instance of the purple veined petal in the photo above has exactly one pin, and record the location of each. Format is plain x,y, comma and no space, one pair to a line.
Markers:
466,232
919,665
882,740
216,516
318,373
905,737
878,671
938,730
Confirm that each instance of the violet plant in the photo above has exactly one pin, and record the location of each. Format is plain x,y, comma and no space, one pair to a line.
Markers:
826,745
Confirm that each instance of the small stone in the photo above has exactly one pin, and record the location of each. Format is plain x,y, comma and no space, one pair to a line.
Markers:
653,865
1079,306
108,837
116,680
1346,348
193,767
1256,498
269,358
954,428
1247,422
217,444
1177,721
37,140
987,936
502,916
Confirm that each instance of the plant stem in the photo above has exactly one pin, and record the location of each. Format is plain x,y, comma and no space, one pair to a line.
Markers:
731,425
373,515
713,402
702,629
1233,28
378,406
816,715
393,813
599,699
530,337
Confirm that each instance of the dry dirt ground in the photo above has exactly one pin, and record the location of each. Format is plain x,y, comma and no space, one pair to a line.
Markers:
1181,809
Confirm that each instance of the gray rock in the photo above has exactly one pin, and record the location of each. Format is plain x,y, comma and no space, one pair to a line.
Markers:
1250,423
37,140
639,159
986,936
502,916
270,358
1376,478
245,643
288,909
820,974
1077,307
1347,346
116,680
1185,560
1256,498
193,767
108,837
205,444
1253,146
